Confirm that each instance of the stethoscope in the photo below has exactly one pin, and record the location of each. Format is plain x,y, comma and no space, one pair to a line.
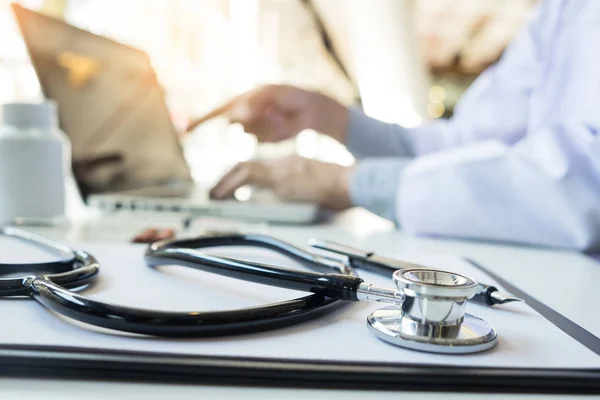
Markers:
427,312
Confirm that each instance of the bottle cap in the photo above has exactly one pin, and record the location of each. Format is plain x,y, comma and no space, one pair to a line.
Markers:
30,115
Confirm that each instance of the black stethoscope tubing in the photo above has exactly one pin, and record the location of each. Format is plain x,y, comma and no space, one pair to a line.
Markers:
79,270
76,270
183,252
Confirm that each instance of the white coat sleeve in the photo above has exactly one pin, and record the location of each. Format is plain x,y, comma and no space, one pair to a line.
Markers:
542,191
494,106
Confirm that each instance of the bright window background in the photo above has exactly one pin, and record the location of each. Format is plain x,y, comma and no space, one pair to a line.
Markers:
407,60
17,77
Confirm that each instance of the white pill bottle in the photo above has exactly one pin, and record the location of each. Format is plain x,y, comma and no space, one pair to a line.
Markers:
34,161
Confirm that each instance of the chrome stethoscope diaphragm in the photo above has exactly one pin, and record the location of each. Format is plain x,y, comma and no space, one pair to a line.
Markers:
431,316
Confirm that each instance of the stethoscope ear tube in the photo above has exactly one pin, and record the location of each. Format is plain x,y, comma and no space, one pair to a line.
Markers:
336,286
81,272
177,324
49,284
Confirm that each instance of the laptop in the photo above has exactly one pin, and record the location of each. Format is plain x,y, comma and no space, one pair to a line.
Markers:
125,150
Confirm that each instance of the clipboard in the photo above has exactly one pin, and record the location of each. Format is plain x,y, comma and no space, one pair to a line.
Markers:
88,364
44,345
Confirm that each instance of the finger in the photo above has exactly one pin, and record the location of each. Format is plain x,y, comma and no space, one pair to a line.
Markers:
233,171
240,109
248,173
252,108
225,108
249,106
236,177
230,183
259,103
262,111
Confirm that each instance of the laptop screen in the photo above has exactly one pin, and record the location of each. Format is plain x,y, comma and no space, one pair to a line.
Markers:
110,105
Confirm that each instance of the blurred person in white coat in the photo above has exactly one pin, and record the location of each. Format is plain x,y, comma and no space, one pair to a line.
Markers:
518,162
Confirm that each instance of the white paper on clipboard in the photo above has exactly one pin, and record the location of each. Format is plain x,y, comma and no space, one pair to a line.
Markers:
526,339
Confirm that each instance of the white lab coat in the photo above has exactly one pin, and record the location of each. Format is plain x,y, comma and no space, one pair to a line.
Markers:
520,159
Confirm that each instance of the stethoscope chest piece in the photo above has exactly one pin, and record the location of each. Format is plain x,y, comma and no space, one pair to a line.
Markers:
432,316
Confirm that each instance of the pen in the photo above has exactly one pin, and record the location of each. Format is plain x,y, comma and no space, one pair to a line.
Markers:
487,294
490,295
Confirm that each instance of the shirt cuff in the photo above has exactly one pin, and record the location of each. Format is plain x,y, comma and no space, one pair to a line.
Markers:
370,137
374,185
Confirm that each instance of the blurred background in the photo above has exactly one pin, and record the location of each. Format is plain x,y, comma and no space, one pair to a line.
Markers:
402,61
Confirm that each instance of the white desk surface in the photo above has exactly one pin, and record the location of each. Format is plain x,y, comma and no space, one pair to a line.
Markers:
565,281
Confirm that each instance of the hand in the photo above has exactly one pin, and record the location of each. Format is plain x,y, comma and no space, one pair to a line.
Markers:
278,112
292,178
